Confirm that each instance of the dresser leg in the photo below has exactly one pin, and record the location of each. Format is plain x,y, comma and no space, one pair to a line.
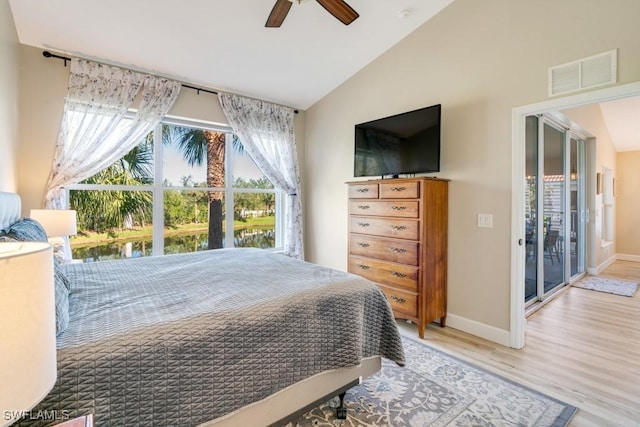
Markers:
443,321
421,328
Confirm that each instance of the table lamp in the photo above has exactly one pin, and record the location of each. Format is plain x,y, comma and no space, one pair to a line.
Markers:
27,327
59,225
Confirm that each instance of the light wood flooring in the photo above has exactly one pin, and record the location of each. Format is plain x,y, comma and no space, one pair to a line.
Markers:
582,348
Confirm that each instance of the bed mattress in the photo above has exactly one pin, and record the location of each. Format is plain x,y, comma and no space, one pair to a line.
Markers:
183,339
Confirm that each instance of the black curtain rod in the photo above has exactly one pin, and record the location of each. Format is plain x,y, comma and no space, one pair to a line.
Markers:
48,54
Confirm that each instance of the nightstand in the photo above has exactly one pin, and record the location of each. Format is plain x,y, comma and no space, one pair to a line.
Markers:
83,421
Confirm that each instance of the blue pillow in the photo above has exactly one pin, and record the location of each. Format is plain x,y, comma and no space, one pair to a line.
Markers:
26,230
61,289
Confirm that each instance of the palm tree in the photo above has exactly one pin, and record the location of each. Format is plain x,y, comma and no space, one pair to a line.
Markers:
199,146
104,210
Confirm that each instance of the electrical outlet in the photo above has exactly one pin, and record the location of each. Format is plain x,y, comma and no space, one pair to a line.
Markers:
485,220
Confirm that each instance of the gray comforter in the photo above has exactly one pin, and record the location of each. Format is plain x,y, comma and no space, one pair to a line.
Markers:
183,339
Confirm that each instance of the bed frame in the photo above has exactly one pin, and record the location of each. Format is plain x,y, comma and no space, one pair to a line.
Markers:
289,403
279,408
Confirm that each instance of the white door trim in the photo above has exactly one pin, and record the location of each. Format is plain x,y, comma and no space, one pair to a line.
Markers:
517,321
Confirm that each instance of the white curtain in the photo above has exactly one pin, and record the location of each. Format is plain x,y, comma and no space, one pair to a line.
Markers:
94,133
267,135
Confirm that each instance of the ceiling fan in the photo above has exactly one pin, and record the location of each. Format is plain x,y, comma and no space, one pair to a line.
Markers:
338,8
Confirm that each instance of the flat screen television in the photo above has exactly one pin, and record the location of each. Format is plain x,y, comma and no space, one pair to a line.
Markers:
406,143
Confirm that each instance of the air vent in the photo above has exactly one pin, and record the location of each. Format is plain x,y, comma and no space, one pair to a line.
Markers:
596,70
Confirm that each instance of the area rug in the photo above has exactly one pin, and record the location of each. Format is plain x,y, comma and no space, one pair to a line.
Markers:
436,389
610,286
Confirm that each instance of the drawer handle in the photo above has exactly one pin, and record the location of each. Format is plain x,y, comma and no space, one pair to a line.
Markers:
363,266
400,275
363,224
362,190
396,299
363,245
399,227
398,250
398,188
363,207
398,208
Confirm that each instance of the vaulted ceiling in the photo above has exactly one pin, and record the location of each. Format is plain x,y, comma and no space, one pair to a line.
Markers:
622,117
223,44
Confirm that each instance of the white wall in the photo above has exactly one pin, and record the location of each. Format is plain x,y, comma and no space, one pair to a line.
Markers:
479,60
8,99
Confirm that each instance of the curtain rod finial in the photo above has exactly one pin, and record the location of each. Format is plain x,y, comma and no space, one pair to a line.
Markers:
48,54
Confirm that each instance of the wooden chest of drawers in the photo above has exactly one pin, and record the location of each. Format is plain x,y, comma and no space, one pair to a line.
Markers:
398,239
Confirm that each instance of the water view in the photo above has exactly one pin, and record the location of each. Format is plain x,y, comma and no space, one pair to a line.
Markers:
118,249
117,220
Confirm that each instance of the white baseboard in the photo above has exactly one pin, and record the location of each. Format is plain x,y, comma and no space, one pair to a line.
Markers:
481,330
600,268
502,336
627,257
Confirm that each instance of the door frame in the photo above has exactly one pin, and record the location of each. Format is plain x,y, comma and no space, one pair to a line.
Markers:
517,304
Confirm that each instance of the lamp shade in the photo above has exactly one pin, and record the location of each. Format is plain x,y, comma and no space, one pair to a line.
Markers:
56,222
27,327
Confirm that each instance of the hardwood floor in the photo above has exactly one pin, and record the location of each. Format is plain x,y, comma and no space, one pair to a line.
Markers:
582,348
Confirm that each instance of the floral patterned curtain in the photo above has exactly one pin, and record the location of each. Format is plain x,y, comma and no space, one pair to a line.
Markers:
94,133
267,135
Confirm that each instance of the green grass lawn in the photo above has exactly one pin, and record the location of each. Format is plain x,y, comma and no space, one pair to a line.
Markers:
87,238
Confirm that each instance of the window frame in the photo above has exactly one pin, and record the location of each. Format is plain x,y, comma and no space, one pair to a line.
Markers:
158,188
608,207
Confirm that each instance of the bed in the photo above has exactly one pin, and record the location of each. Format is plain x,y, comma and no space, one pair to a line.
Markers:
225,337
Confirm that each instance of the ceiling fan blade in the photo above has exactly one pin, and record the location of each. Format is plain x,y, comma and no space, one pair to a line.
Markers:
340,10
278,13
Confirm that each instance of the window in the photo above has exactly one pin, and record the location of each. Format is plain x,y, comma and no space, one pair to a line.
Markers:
608,214
186,187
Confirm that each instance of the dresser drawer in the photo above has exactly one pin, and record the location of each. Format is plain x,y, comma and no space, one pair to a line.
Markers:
401,302
400,251
398,209
386,227
385,273
400,190
363,191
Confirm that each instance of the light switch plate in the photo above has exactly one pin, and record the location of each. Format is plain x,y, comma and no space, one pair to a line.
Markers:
485,220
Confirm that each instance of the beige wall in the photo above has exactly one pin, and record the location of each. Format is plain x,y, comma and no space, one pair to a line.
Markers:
479,60
590,118
628,208
8,99
43,86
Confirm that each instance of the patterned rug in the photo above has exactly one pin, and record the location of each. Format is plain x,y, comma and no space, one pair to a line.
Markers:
610,286
436,389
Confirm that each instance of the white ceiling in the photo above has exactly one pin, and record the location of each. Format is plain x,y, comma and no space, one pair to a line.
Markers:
223,44
622,118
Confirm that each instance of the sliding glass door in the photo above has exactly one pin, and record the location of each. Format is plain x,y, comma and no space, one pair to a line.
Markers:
554,207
